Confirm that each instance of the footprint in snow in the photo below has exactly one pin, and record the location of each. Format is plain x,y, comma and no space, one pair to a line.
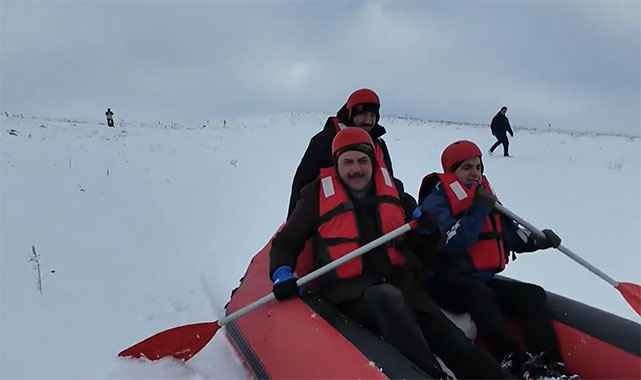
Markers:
178,306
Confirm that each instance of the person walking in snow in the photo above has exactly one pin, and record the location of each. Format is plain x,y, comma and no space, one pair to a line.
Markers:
350,204
110,117
479,241
500,128
361,110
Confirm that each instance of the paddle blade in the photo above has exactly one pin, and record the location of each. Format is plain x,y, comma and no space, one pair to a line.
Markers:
632,294
181,342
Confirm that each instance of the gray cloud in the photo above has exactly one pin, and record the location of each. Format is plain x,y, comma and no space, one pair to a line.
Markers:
575,65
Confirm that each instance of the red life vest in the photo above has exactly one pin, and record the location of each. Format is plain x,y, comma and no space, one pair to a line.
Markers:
488,253
378,151
338,232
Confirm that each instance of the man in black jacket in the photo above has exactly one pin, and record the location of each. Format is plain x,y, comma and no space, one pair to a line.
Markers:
500,127
360,110
349,205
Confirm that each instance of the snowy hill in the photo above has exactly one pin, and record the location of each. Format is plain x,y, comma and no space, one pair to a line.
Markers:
147,226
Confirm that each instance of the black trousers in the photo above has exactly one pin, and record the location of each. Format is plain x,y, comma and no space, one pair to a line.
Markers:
487,303
383,309
501,139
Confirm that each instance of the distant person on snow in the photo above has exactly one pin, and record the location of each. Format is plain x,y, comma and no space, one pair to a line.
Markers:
478,246
351,203
500,128
360,110
110,117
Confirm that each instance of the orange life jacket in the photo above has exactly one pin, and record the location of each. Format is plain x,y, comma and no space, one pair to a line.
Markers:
338,231
488,253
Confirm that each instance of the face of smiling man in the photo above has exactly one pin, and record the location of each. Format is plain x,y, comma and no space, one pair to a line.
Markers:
469,172
365,120
355,169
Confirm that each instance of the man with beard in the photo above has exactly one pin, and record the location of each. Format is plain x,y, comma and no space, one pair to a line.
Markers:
361,110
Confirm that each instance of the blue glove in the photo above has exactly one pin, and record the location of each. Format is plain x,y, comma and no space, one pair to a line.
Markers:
427,221
284,283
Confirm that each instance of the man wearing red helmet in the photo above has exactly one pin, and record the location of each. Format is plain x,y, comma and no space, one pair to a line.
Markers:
477,247
350,204
362,109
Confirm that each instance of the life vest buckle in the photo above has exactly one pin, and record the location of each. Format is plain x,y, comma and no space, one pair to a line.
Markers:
348,206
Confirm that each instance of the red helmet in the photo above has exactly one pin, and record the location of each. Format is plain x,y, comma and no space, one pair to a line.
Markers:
458,152
363,100
352,138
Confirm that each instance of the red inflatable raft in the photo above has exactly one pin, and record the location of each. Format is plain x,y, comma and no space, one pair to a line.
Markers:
306,338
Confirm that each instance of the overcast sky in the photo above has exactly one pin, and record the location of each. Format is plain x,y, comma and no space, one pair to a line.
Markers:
571,64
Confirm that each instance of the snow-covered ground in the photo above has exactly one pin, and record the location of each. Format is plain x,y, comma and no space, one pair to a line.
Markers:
144,227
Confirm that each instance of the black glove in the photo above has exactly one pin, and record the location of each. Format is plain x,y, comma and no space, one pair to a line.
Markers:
552,240
484,198
284,283
427,221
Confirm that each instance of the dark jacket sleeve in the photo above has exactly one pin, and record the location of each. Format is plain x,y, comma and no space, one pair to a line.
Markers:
289,242
407,200
318,155
461,233
519,239
508,127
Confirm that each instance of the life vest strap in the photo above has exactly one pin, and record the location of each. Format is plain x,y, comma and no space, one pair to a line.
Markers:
375,200
364,202
341,208
489,236
337,241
